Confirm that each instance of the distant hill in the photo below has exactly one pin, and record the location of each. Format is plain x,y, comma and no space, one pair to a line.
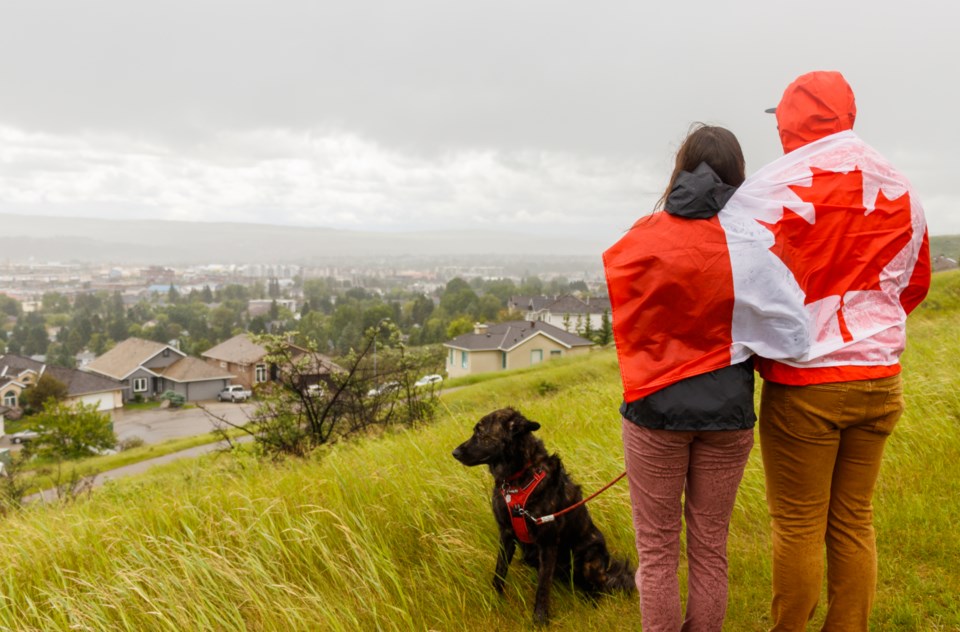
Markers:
947,245
173,242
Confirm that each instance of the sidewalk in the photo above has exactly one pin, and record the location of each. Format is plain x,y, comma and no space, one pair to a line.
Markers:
133,469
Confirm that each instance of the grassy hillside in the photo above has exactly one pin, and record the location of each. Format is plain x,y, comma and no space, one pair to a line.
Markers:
393,534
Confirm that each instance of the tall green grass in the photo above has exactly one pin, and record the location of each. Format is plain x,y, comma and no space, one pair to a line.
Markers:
392,533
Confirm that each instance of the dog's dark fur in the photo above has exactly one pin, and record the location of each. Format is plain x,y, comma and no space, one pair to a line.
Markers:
504,442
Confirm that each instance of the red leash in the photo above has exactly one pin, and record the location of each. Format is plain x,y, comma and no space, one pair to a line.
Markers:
553,516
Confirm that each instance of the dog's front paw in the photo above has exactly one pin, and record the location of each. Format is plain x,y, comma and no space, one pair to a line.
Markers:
498,584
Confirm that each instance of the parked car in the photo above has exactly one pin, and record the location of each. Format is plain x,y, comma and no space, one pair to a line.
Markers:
427,380
383,389
234,393
24,436
313,390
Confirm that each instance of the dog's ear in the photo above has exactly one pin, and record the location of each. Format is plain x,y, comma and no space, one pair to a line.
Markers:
521,425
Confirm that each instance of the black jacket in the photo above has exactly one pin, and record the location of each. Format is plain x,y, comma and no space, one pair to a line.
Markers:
718,400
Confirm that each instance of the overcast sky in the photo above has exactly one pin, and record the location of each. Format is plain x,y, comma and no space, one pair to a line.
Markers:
538,116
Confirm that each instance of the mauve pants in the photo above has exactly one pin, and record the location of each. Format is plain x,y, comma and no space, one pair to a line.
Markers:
705,468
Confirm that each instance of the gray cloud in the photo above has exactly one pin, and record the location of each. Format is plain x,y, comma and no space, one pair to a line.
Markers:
406,115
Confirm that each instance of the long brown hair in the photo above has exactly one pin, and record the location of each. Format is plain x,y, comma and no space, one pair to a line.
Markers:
716,146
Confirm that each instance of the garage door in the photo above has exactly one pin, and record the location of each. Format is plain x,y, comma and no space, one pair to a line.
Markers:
103,401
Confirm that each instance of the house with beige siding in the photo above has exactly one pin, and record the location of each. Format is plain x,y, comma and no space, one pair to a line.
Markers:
510,345
147,369
567,312
18,373
251,365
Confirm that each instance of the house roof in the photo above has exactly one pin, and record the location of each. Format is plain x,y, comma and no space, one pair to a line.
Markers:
566,304
124,358
598,304
316,363
240,349
16,364
506,336
81,382
189,369
532,303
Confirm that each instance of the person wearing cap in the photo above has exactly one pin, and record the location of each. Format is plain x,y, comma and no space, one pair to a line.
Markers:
824,420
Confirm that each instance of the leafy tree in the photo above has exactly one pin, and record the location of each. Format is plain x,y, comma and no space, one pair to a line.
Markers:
531,286
53,302
59,354
273,288
10,306
587,327
222,321
503,289
605,334
489,307
72,432
458,326
459,302
293,419
29,337
421,309
257,325
48,390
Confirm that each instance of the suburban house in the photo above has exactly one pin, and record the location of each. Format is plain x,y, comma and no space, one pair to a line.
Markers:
510,345
567,312
147,369
19,372
247,360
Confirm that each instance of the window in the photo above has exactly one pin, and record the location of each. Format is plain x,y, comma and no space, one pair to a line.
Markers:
536,356
555,353
260,373
139,384
463,359
451,358
503,359
10,399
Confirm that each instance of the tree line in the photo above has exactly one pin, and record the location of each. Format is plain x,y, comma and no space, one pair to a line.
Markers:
331,318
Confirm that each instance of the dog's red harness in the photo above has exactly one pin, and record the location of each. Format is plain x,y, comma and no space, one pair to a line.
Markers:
516,499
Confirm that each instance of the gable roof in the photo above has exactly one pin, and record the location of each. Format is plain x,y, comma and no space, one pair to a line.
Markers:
81,382
13,364
240,349
506,336
126,357
566,304
189,369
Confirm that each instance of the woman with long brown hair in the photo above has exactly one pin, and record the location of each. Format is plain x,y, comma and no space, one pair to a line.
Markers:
688,412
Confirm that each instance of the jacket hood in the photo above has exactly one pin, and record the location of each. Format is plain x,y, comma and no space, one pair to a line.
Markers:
699,194
815,105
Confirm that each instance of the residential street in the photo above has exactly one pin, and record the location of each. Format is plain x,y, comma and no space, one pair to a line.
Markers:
154,426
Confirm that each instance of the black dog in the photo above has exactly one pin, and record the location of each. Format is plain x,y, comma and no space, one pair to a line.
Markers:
524,472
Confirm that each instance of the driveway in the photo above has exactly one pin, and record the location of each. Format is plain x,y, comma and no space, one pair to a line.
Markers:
161,424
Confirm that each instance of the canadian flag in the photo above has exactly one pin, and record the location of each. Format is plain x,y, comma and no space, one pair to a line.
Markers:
815,261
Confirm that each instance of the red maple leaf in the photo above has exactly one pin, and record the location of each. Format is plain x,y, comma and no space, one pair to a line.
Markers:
844,248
